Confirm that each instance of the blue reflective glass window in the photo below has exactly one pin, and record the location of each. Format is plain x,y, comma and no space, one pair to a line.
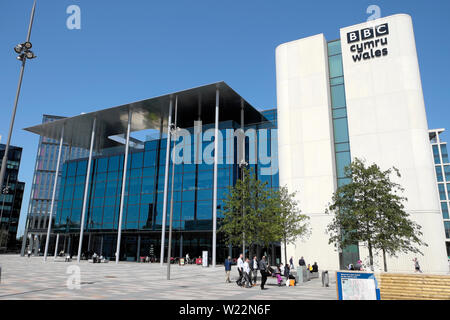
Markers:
338,96
111,187
98,202
441,191
342,147
444,209
134,199
135,173
440,177
335,64
149,172
80,180
68,192
187,211
447,172
448,190
339,113
99,189
342,160
71,169
150,158
447,229
137,160
204,194
343,181
148,185
189,195
135,186
336,81
110,201
101,177
133,213
340,130
189,181
437,160
334,47
113,163
102,164
147,198
151,145
204,210
444,153
205,179
108,215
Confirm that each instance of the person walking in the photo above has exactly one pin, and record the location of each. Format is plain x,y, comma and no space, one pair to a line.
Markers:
291,262
246,269
254,266
228,269
287,272
416,265
263,271
240,268
301,262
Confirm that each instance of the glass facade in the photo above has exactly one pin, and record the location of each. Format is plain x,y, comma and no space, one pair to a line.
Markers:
442,167
10,199
350,254
42,187
144,194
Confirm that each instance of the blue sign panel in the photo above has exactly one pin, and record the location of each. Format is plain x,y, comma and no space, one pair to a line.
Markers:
357,286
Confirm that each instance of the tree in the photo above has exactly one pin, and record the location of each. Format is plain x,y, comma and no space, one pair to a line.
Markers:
248,212
369,210
292,224
257,214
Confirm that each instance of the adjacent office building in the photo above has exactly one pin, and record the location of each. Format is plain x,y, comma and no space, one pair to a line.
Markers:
359,96
42,187
442,166
92,195
11,197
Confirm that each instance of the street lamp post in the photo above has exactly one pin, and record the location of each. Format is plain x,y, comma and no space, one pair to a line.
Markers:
173,129
25,53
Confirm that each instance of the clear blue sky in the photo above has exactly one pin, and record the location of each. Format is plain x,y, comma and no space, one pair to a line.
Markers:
137,49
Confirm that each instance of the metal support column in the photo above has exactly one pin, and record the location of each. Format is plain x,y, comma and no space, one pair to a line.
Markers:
216,159
166,183
138,252
56,245
86,189
55,183
124,180
169,249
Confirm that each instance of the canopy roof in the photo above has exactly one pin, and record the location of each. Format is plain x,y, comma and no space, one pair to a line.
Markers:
150,114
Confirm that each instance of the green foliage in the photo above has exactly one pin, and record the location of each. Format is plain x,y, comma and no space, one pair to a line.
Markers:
370,210
260,215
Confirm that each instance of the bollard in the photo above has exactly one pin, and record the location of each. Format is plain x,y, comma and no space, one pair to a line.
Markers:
325,279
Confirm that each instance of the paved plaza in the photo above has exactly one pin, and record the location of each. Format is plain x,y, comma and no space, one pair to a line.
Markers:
31,278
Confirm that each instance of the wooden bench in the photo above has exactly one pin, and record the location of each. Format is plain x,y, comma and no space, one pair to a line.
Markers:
413,286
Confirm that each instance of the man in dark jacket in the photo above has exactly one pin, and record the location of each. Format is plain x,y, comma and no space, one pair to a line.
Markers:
301,262
228,269
262,269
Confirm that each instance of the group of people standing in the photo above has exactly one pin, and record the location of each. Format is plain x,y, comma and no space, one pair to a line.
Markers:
248,271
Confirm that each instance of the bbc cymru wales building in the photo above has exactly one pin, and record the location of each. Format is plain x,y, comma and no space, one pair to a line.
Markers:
357,96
